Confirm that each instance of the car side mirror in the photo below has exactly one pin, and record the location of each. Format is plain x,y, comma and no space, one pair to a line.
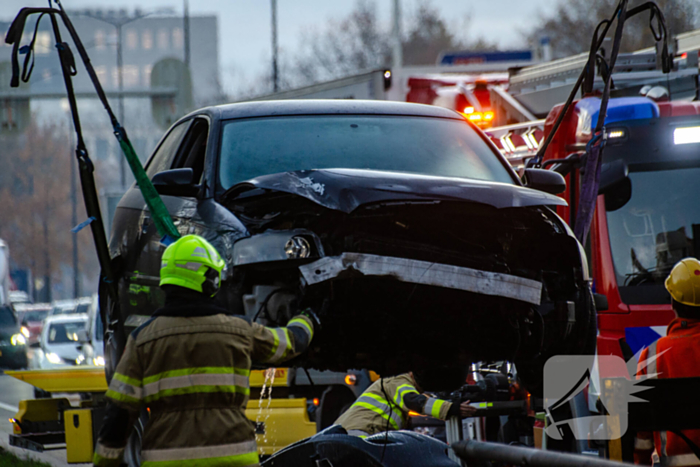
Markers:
544,180
615,184
176,182
600,301
82,336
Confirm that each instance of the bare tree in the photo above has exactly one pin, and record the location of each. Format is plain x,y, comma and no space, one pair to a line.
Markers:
35,203
359,42
571,24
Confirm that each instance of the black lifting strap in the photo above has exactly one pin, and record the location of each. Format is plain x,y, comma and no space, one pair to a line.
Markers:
85,166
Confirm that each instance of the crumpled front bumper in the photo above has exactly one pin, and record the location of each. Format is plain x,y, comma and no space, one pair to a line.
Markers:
425,273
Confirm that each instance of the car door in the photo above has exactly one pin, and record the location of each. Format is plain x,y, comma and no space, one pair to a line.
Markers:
140,296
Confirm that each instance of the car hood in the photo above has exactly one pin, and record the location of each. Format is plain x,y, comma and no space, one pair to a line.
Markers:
346,189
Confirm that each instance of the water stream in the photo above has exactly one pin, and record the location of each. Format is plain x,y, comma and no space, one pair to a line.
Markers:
266,391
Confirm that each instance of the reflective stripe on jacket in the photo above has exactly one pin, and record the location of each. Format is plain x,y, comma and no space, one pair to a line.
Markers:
673,356
380,409
192,373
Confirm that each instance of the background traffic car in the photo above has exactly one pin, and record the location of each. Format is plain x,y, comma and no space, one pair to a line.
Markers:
31,316
65,307
398,223
60,341
92,339
13,343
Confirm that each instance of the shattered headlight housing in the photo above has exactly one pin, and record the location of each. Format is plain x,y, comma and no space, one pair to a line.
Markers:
277,245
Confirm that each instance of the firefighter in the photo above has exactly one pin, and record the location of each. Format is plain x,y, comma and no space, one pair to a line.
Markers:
384,406
189,365
674,356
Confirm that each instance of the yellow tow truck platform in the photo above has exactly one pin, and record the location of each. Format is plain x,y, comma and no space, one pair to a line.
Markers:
59,423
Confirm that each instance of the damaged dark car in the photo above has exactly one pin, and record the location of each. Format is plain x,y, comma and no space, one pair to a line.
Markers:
400,224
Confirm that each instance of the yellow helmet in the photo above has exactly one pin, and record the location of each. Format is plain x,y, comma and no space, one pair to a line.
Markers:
684,282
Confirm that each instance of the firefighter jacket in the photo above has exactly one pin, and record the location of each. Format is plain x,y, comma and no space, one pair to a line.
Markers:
673,356
189,365
385,405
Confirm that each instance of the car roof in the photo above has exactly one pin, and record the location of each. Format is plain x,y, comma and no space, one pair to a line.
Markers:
326,107
66,318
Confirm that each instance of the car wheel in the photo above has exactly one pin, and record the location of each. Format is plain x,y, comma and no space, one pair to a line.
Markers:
581,341
334,402
114,343
132,452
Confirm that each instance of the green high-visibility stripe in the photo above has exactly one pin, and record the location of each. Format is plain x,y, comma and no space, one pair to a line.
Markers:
435,409
201,370
275,344
196,390
127,380
100,461
239,460
118,396
401,391
304,323
379,411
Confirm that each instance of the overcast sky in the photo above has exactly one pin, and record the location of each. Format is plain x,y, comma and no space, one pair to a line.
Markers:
244,25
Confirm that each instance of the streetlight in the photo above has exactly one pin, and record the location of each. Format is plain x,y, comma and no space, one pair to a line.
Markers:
118,22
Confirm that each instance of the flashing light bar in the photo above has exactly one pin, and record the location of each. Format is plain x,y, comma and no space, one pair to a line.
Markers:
614,134
687,135
469,110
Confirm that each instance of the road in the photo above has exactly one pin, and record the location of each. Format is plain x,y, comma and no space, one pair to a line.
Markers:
11,392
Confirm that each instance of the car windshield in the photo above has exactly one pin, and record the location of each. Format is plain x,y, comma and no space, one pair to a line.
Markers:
35,315
63,310
419,145
657,227
64,333
7,317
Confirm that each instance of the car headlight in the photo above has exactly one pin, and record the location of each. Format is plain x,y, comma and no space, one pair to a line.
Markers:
24,331
18,339
53,358
98,361
80,359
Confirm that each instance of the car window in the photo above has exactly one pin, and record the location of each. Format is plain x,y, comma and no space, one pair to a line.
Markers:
7,317
83,308
36,315
193,149
162,159
418,145
64,333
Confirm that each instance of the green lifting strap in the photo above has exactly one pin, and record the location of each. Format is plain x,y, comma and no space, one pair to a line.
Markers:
159,213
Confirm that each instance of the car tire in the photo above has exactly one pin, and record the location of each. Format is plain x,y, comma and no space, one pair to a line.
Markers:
581,341
114,343
132,452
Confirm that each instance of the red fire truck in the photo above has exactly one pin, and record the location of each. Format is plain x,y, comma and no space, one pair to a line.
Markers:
647,216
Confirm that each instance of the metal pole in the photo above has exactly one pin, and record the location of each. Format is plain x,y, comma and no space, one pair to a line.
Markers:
397,50
275,82
120,81
74,221
186,27
469,450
